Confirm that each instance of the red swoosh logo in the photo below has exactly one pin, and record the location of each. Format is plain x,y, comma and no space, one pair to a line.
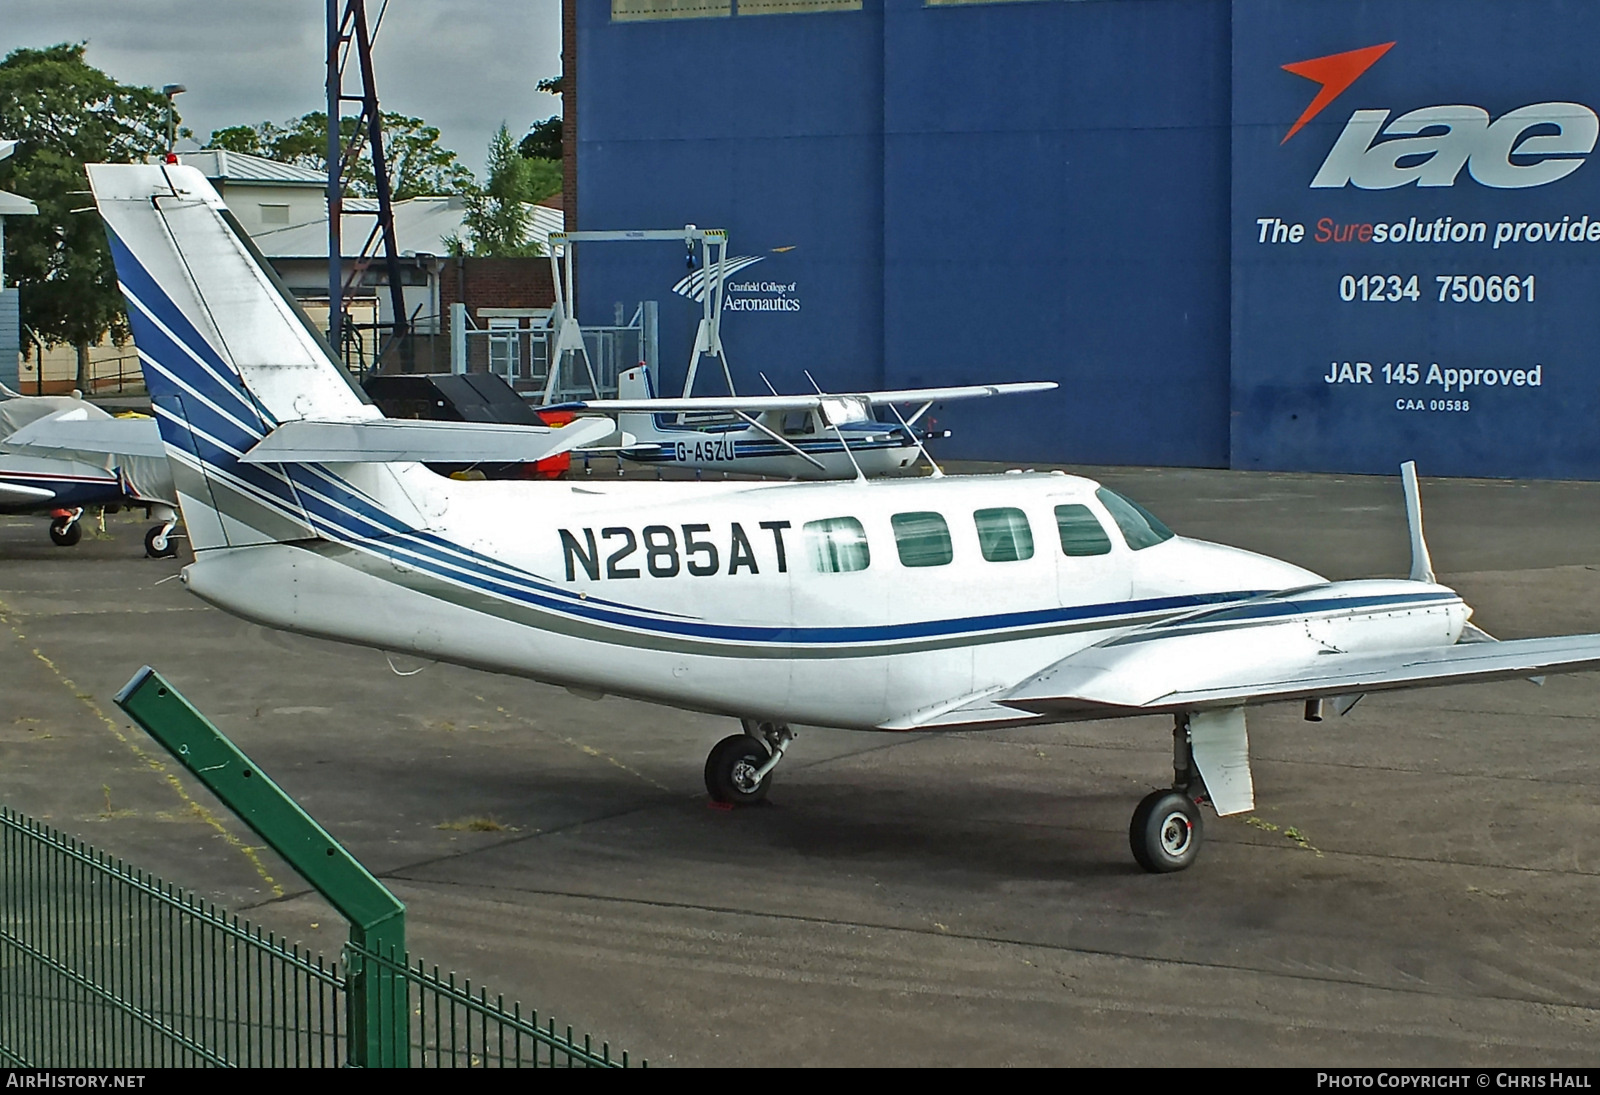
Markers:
1335,72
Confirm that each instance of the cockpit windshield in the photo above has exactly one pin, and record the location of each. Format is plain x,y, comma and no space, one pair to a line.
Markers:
1139,526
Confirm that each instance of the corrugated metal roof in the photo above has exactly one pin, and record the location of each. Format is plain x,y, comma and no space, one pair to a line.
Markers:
547,220
241,167
15,205
420,227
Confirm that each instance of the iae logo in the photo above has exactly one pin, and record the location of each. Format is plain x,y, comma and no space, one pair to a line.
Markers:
1529,146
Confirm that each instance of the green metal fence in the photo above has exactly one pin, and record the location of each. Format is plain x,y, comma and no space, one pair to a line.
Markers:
103,965
453,1026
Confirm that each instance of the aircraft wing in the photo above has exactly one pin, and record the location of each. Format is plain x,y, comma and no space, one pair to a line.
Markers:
1092,682
755,404
16,492
74,431
395,440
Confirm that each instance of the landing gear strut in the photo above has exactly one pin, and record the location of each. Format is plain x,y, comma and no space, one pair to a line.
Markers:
739,769
1167,830
65,530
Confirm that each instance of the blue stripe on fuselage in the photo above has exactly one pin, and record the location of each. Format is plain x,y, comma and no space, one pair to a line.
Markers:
69,492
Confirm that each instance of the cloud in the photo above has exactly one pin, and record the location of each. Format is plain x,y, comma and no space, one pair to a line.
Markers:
463,66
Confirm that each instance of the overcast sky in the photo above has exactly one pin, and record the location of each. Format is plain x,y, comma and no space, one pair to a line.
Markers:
462,65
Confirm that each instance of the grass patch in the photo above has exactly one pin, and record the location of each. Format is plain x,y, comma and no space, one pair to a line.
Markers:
1291,833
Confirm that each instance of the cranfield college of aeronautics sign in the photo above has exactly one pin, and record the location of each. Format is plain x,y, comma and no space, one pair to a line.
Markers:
1416,237
743,291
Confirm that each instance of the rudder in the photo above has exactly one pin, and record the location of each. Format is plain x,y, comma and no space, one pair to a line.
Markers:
227,358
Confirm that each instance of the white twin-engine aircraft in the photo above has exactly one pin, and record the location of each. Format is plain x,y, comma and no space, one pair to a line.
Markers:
821,436
891,605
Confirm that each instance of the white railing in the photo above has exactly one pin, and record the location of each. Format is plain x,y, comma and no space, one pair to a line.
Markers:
518,349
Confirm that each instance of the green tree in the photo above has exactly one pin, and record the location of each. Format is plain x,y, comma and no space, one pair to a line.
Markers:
417,164
543,139
498,218
541,178
65,113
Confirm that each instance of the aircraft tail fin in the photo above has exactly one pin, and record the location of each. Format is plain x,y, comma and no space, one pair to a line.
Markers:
636,383
227,356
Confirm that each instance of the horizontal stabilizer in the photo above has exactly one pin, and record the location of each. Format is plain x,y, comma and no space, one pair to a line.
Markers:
1066,689
755,404
401,440
75,431
16,492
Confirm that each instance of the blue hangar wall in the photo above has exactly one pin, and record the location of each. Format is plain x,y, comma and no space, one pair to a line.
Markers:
1107,193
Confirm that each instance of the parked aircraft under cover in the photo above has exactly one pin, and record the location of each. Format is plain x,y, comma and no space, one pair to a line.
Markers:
61,456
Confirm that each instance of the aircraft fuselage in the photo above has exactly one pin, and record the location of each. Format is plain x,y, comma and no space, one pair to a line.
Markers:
790,602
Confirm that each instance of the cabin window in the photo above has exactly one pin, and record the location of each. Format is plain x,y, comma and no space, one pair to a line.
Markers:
1139,526
836,544
923,539
1003,534
797,423
1081,531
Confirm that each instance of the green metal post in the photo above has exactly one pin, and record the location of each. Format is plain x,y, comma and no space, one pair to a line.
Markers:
379,998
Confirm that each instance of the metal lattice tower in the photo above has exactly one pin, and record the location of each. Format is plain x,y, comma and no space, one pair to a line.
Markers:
349,37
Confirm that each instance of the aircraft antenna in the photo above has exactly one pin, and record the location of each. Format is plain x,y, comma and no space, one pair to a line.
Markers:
938,472
836,431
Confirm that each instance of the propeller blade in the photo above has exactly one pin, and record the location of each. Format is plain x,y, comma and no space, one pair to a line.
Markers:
1421,564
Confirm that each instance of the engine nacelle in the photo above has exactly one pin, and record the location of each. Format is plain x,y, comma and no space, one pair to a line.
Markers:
1281,635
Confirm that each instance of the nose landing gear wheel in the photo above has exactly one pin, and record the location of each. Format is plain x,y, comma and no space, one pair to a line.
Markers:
1166,832
731,771
64,533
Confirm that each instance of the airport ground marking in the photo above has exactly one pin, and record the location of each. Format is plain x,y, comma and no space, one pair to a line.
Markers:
588,750
154,763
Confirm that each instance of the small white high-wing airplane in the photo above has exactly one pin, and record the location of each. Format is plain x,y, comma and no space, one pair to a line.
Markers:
821,436
892,605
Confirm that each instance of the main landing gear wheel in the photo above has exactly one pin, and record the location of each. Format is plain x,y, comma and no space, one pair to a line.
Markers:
65,532
158,543
1166,832
732,771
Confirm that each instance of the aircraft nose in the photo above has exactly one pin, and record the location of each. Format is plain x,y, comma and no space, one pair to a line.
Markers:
1231,568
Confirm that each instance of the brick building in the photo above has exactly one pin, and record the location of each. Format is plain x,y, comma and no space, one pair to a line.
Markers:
495,283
